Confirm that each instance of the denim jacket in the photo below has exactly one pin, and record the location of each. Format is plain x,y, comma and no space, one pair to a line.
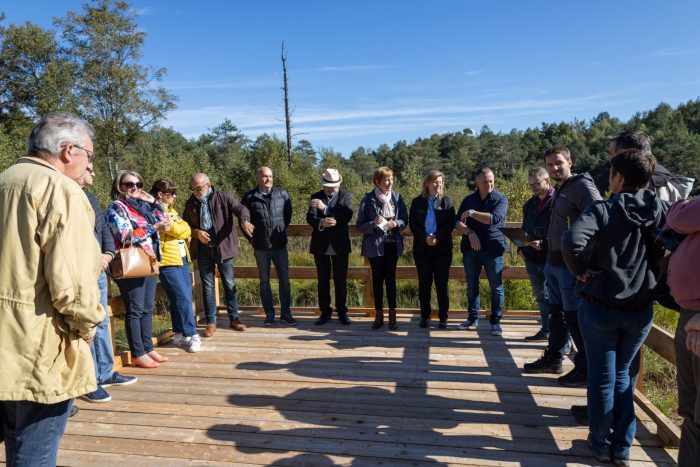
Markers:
373,238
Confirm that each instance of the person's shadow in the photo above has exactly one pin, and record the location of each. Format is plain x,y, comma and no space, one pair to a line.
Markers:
384,409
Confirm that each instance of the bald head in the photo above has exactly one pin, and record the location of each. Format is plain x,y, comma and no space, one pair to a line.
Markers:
200,185
200,179
264,179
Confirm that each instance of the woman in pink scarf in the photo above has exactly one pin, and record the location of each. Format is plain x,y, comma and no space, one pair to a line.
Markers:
381,218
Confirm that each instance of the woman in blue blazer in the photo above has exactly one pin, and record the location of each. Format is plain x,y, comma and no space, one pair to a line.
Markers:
381,218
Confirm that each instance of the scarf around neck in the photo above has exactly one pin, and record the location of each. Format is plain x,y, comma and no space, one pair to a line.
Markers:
142,208
205,222
385,200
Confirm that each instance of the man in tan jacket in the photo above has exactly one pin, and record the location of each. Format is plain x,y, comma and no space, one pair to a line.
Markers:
49,304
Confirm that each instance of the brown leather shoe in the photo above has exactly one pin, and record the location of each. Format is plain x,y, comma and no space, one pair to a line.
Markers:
236,325
209,330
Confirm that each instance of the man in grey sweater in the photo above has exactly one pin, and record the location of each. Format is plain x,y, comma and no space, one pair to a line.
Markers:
574,193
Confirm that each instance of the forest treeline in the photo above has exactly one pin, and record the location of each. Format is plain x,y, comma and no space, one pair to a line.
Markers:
90,63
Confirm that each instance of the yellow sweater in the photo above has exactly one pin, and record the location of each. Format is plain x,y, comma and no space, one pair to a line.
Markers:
170,240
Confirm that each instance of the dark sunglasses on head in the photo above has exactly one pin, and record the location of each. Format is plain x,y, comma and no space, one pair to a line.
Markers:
130,185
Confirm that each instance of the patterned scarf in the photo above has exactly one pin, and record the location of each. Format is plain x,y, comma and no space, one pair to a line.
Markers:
205,222
385,200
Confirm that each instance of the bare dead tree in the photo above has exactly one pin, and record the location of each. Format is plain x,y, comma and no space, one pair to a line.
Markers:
287,113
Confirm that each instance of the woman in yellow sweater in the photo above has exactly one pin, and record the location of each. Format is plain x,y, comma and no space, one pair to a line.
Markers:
175,269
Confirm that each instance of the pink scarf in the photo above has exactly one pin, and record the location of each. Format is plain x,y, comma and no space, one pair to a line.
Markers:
385,200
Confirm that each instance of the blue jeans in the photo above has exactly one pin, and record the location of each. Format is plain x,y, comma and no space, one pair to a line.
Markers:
139,300
535,272
493,265
207,258
613,338
102,352
177,283
33,431
281,260
563,307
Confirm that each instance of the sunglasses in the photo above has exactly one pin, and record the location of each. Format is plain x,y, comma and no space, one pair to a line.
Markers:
130,185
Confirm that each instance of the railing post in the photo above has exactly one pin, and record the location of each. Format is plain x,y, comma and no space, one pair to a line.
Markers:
217,300
369,294
640,378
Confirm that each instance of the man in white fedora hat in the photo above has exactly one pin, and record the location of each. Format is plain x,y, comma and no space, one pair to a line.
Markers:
330,212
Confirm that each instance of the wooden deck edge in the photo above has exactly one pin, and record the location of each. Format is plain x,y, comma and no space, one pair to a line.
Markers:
666,430
401,311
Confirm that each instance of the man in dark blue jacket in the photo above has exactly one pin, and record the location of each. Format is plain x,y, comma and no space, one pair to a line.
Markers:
536,213
270,213
102,351
480,217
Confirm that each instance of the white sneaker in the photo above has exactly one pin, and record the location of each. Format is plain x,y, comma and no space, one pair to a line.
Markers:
194,344
178,340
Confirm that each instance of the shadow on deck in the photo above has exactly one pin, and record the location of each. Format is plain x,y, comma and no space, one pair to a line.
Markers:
337,395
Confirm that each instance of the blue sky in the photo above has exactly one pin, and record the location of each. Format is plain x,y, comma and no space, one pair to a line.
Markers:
363,73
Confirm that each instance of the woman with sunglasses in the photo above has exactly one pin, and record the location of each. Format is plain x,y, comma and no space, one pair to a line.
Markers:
134,221
175,268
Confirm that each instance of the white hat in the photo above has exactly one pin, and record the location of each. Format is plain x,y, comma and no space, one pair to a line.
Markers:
331,177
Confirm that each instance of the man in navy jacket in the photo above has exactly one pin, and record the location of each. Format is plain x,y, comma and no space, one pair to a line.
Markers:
480,217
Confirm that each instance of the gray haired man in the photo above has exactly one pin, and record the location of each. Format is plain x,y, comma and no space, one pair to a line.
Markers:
49,262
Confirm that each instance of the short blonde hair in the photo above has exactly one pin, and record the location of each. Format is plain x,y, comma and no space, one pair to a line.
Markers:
430,178
116,184
381,173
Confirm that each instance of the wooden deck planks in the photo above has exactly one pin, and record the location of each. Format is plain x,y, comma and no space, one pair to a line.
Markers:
336,395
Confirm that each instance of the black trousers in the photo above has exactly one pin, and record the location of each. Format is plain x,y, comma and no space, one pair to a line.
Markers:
432,267
338,264
384,271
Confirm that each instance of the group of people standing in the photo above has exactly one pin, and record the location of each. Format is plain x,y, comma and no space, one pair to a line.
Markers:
593,265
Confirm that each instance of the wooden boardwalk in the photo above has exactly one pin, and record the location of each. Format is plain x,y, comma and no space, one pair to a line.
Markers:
336,395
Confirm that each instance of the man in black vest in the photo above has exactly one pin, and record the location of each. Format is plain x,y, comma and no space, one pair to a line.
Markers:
330,211
271,212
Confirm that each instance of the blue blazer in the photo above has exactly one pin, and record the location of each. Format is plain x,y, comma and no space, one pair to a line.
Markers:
373,238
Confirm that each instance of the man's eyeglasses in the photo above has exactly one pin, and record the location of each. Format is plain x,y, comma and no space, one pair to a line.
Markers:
198,189
537,184
130,185
90,154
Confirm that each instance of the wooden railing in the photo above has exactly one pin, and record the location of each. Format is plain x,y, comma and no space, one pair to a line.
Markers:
658,341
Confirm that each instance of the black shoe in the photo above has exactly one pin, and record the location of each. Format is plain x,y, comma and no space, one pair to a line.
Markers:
603,457
621,459
424,323
344,319
442,325
573,379
540,336
580,413
323,319
546,364
73,410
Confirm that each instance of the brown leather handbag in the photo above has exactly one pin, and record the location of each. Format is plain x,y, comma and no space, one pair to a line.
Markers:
133,262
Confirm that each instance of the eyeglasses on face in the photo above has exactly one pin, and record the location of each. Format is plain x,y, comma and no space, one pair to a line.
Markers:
90,154
131,185
199,189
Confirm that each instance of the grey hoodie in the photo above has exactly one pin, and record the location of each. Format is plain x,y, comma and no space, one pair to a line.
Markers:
571,200
613,239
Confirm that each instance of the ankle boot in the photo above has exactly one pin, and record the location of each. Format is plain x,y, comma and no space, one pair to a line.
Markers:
392,320
378,319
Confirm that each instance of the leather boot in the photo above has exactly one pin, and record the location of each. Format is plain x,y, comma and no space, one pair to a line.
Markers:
378,319
392,320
